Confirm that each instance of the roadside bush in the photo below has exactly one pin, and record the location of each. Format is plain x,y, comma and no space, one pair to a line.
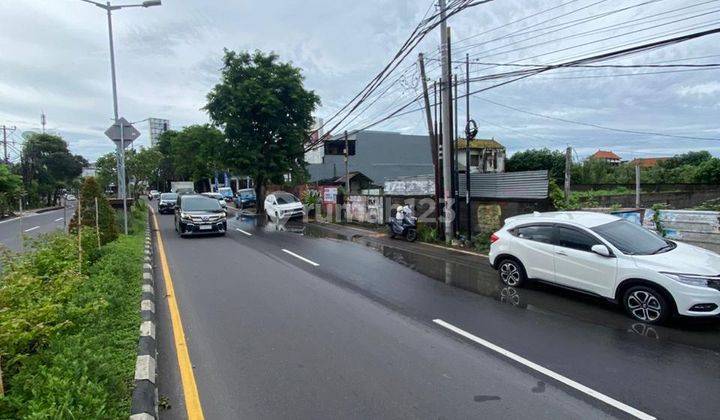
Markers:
89,191
68,338
427,233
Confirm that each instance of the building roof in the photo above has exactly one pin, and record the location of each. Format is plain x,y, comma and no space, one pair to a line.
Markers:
480,144
351,176
648,162
605,154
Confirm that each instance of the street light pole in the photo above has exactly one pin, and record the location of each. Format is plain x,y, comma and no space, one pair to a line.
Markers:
122,190
121,147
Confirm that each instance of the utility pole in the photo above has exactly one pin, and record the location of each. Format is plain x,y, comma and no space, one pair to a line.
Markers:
22,240
568,169
97,222
446,118
5,141
468,210
455,161
433,139
65,224
347,172
43,121
637,186
438,165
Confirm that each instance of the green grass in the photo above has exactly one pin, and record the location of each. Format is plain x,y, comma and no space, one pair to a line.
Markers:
68,340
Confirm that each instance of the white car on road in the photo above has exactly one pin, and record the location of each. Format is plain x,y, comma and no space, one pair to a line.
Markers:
219,197
652,277
282,205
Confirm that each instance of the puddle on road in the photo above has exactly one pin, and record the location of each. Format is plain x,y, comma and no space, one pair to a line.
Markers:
537,297
544,298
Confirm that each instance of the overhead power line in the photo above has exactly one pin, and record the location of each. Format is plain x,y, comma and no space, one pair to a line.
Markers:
602,127
522,74
418,34
614,66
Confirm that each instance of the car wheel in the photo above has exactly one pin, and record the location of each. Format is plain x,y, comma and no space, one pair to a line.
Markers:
646,304
512,273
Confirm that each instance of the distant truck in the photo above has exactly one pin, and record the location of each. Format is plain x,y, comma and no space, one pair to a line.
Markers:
182,187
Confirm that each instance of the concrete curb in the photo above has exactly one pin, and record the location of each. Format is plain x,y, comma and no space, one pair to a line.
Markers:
144,405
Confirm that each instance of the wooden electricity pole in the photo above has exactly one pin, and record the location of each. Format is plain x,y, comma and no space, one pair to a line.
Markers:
97,222
568,169
446,95
433,138
637,186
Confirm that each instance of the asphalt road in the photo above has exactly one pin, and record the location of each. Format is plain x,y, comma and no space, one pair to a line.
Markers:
282,324
31,225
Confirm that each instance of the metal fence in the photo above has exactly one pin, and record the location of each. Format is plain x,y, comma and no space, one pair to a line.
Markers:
504,185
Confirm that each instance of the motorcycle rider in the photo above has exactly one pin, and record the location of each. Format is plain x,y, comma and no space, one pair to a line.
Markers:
403,214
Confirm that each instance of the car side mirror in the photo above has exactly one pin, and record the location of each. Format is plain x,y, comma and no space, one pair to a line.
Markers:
601,250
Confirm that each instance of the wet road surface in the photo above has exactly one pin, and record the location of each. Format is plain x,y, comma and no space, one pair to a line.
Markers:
31,225
302,322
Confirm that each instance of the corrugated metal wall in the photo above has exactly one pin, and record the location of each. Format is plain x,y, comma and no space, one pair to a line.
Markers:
525,185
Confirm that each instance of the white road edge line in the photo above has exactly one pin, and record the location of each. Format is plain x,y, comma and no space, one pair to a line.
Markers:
32,228
60,219
242,231
300,257
9,220
545,371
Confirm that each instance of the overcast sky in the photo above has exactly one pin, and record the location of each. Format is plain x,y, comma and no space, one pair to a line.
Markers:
54,57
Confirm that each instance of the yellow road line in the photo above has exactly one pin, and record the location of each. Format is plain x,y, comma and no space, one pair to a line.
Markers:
190,391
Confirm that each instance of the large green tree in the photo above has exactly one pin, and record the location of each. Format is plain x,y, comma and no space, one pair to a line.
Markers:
538,159
106,171
48,167
10,189
266,113
142,166
191,154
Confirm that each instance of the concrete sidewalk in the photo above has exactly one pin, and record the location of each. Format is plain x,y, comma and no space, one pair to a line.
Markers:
358,234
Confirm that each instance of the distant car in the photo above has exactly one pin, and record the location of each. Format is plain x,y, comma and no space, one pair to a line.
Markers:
226,192
219,197
70,197
245,198
153,194
282,205
166,203
183,191
198,214
652,277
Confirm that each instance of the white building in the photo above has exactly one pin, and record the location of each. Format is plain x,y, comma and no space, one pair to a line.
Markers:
486,155
316,155
157,127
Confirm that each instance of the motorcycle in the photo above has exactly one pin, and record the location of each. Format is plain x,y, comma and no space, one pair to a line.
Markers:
406,227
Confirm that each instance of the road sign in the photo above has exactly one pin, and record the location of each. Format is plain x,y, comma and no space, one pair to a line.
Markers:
128,132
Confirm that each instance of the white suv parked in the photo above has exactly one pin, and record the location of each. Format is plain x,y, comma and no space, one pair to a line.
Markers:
652,277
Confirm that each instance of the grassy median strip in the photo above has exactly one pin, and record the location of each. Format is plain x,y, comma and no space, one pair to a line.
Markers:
68,337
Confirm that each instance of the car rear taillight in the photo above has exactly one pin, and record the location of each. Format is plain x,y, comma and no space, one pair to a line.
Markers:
494,238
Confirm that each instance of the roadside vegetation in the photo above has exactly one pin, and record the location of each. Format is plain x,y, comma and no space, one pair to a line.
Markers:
10,189
69,323
687,168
